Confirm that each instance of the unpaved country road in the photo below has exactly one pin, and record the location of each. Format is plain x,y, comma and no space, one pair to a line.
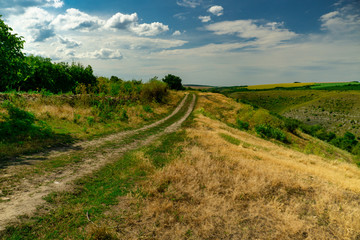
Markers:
29,192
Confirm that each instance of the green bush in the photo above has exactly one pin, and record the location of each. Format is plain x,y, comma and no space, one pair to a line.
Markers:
242,125
267,131
147,109
154,91
174,82
21,125
348,142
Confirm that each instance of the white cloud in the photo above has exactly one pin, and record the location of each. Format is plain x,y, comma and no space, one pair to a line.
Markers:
344,20
130,22
176,33
189,3
54,3
34,25
266,35
105,53
216,10
121,21
10,7
151,29
74,19
205,19
69,43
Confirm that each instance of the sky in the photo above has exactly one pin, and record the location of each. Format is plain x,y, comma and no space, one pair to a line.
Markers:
208,42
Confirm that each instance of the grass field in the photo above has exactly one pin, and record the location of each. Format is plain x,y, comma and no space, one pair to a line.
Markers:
214,182
278,85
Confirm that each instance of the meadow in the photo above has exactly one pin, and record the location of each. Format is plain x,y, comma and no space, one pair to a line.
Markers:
216,181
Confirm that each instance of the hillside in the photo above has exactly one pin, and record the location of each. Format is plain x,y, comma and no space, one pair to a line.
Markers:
337,111
210,180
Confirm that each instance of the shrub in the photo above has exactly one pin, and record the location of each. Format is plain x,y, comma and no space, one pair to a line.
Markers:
174,82
154,90
348,142
21,125
291,124
267,131
147,109
242,125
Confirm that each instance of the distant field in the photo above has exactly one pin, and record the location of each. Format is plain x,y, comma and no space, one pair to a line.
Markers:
282,85
194,86
333,84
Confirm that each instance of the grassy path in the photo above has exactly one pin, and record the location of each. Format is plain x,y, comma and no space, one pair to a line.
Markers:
58,170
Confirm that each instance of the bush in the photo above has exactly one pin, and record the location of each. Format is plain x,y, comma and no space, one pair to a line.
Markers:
242,125
348,142
21,125
291,124
154,90
174,82
267,131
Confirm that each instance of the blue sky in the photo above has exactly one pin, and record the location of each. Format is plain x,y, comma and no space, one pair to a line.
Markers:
223,43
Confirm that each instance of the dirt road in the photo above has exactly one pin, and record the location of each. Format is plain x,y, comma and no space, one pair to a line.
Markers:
27,193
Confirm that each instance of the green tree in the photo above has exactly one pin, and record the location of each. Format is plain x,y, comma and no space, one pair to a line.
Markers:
174,82
11,57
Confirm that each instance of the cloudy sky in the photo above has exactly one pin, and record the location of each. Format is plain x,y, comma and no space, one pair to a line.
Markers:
214,42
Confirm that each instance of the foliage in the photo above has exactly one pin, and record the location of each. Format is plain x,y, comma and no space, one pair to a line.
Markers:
348,142
154,90
174,82
55,77
267,131
11,57
242,125
21,125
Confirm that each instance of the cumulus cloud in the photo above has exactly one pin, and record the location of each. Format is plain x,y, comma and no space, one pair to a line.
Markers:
176,33
151,29
69,43
216,10
343,20
189,3
266,35
74,19
121,21
34,25
105,53
205,19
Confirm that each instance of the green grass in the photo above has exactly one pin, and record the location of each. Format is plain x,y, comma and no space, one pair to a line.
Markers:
230,139
64,216
55,163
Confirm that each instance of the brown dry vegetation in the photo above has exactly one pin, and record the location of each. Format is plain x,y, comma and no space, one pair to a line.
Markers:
253,190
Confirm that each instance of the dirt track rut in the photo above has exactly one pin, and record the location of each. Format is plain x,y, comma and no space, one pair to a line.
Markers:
29,192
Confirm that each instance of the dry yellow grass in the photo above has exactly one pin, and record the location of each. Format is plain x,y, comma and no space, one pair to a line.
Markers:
284,85
255,190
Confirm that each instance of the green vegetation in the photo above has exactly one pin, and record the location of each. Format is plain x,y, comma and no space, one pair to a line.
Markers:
267,131
11,57
19,125
230,139
174,82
